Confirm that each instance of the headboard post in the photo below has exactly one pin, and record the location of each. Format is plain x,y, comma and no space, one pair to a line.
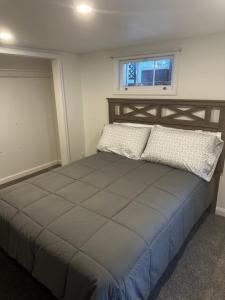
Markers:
221,128
111,111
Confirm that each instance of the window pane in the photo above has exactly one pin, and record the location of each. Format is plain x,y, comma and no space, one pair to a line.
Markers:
132,78
163,72
148,72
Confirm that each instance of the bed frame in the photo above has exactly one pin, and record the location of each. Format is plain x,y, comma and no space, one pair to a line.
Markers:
208,115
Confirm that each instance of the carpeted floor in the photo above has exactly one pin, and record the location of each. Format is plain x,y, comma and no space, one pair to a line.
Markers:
198,273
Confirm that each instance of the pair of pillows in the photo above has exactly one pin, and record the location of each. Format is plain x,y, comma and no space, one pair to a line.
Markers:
195,151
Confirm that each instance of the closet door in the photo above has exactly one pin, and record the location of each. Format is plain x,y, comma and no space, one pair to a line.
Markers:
28,134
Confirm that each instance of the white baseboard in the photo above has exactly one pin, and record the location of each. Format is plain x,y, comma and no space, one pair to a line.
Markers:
220,211
28,172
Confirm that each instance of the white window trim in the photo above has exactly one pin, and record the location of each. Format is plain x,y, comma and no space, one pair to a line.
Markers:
152,91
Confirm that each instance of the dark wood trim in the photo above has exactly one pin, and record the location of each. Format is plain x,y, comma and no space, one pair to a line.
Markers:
138,111
169,101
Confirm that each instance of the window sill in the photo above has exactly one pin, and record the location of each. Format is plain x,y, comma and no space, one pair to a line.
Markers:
147,92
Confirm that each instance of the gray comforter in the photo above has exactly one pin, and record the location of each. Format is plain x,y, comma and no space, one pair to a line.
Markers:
103,228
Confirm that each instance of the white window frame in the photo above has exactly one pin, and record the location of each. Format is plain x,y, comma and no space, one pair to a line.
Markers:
144,90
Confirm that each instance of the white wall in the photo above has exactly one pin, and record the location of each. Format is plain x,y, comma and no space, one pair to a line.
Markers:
74,107
201,76
14,62
28,131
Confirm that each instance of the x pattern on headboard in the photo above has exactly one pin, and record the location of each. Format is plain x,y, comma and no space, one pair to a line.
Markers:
187,114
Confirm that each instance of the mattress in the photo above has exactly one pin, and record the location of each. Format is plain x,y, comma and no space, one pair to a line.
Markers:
104,227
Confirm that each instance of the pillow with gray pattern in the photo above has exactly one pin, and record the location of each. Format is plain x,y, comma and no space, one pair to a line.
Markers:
124,140
196,152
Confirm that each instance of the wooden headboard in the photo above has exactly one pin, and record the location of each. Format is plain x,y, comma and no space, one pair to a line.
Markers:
208,115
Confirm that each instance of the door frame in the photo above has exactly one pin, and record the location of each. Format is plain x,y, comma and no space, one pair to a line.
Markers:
59,91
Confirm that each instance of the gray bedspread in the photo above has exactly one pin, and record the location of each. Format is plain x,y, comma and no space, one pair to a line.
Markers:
103,228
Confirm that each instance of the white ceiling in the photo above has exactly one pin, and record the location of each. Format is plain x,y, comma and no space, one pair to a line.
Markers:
53,24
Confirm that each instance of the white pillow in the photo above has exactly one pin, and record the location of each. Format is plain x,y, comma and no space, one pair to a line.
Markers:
219,134
196,152
215,133
124,140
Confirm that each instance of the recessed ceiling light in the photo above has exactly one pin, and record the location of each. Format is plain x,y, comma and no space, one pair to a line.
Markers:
5,36
84,8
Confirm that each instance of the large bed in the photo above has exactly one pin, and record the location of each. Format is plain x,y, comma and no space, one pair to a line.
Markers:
106,227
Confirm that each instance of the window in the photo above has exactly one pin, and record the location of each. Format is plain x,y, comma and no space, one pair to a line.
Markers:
151,75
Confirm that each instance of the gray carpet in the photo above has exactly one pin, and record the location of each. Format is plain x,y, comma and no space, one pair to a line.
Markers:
198,273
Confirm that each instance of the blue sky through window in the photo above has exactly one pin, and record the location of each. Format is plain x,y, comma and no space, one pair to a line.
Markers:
149,72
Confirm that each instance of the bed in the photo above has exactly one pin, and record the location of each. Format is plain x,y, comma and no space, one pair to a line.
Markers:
106,227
